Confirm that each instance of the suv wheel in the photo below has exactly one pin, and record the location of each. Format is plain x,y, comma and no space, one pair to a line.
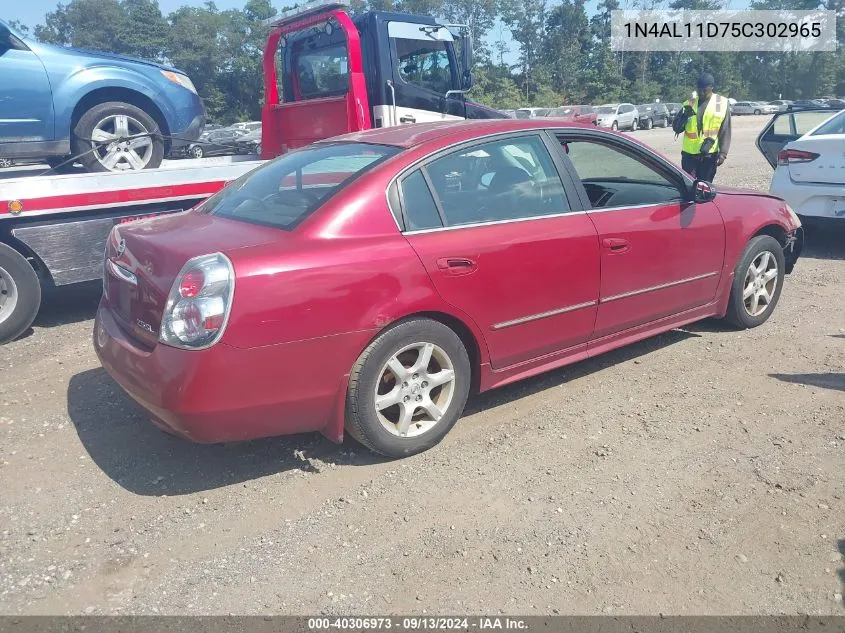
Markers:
117,136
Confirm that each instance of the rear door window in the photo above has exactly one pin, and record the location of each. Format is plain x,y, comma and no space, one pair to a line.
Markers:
511,179
286,190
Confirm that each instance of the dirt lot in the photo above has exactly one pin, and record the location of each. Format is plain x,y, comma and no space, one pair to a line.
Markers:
698,472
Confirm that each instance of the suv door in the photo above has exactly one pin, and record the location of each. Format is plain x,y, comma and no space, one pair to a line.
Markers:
424,70
660,255
506,244
26,104
786,127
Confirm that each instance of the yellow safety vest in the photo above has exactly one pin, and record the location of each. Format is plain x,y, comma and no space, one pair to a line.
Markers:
714,114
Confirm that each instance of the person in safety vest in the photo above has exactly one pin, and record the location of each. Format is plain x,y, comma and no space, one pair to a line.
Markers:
705,122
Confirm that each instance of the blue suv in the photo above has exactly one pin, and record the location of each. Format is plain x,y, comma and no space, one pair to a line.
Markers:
115,113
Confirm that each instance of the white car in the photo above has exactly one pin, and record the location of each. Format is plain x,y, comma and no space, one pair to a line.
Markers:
807,150
531,113
618,116
753,107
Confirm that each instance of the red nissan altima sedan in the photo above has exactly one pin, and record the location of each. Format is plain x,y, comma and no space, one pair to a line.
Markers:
368,283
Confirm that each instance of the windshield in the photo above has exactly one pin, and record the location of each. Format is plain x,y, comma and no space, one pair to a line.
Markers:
605,110
285,191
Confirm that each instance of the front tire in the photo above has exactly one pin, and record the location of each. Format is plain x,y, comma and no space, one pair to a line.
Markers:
757,112
196,151
20,294
614,126
634,125
408,388
117,136
758,279
6,163
649,124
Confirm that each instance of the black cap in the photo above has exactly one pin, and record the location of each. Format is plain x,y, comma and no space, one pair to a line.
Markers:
704,80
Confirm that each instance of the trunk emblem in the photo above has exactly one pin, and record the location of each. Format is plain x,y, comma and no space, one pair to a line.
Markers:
145,326
121,247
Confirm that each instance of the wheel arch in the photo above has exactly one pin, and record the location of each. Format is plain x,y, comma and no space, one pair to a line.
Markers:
773,230
334,429
126,95
45,278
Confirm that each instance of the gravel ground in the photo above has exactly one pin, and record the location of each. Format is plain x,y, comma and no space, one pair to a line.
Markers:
697,472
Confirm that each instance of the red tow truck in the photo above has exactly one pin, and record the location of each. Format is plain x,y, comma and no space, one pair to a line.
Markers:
339,73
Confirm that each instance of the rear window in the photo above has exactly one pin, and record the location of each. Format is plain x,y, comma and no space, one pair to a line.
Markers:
323,72
285,191
835,126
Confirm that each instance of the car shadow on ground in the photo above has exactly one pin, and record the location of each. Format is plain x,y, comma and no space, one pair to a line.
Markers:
119,438
825,240
69,304
841,544
828,380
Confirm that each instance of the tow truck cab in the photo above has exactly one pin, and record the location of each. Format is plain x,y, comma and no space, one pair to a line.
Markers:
417,70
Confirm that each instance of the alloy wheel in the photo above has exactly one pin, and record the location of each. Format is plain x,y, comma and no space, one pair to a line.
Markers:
119,145
415,389
761,280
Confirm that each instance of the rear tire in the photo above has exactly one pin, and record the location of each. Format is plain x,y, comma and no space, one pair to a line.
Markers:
758,280
428,396
196,151
6,162
117,119
20,294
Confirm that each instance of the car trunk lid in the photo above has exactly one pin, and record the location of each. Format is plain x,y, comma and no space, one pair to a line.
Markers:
144,258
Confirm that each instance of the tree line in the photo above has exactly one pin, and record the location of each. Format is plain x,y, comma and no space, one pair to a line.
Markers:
563,54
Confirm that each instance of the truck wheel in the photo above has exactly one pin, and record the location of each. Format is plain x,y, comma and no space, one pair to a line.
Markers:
117,136
408,388
20,294
758,279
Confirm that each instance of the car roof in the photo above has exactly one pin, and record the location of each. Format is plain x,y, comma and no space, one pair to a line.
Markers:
407,136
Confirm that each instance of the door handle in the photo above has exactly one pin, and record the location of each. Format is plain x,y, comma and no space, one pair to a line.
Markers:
616,244
456,265
407,118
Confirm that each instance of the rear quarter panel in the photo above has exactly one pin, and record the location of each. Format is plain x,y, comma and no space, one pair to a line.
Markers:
350,270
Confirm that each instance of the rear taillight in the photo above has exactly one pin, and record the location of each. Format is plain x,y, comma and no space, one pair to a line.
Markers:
198,307
787,156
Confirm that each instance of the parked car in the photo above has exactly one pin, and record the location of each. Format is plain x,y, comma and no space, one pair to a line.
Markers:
575,113
814,104
107,109
805,147
531,113
836,104
511,114
618,116
347,285
248,126
653,114
753,107
221,142
781,104
673,108
249,143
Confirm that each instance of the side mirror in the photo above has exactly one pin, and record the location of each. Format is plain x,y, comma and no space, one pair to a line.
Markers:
702,191
466,80
466,60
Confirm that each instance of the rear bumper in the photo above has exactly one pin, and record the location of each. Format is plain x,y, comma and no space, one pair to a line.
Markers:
809,200
223,393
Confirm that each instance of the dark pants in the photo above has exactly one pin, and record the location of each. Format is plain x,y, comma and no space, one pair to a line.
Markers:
702,167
